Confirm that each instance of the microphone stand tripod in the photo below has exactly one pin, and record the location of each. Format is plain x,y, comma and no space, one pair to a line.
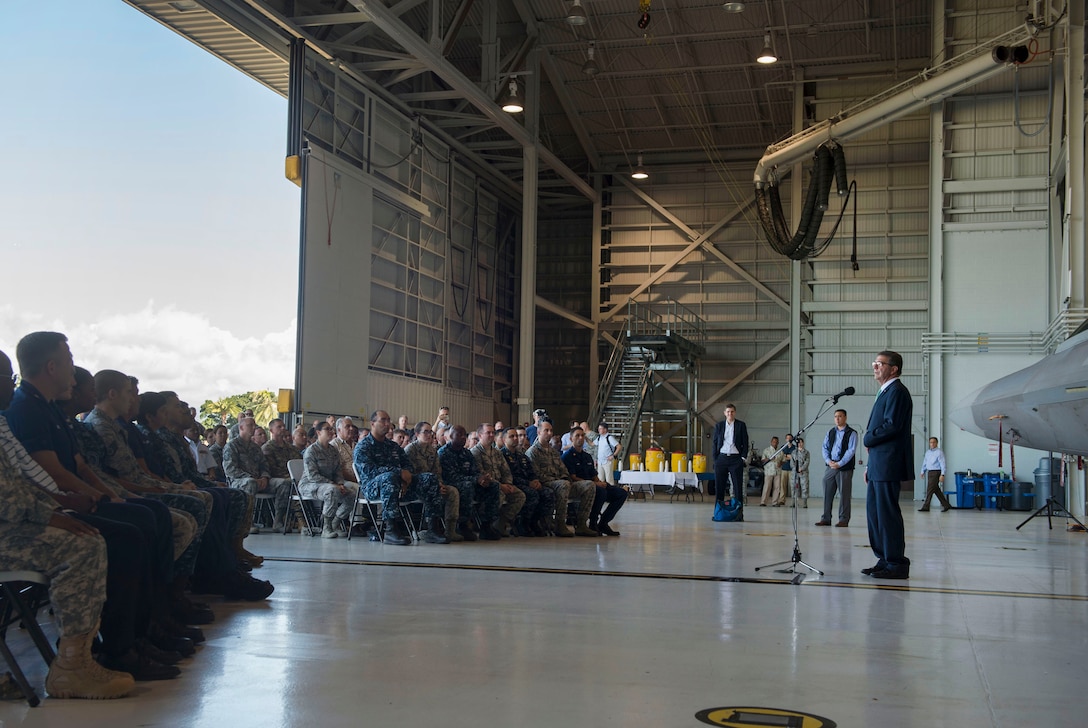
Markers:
795,559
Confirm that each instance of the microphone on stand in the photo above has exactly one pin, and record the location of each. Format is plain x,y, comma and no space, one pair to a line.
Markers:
844,393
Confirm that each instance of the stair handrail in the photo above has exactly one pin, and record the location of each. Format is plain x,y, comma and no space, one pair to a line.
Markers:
634,409
604,389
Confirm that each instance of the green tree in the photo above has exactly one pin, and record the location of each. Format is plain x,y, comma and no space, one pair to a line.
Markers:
225,411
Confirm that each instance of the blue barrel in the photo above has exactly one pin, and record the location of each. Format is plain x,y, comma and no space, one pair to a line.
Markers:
991,483
961,499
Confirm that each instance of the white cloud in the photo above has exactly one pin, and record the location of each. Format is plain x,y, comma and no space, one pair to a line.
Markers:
167,348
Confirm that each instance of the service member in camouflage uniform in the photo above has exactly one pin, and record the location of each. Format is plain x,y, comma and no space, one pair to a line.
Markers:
539,501
279,450
386,474
219,441
35,536
247,469
554,475
222,551
479,494
322,480
113,392
490,462
423,457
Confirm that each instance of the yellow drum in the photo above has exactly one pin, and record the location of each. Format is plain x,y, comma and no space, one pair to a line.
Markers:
679,462
698,462
636,460
655,459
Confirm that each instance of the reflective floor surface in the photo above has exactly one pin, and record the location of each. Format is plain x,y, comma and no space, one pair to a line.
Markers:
642,630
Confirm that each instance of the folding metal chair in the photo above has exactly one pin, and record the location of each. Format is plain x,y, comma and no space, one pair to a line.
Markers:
264,507
22,594
370,508
295,469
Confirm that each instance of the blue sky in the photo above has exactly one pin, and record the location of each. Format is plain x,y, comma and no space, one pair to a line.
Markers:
144,205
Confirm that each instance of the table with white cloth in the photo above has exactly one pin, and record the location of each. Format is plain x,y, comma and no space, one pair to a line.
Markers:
643,481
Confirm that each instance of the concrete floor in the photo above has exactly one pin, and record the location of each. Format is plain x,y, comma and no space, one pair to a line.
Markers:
643,630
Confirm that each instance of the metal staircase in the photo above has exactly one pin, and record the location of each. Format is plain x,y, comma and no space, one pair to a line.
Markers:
662,338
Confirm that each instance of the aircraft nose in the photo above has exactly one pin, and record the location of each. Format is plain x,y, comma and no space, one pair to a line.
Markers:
963,414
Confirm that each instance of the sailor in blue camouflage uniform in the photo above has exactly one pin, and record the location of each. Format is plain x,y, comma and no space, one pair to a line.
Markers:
539,501
386,474
423,456
479,495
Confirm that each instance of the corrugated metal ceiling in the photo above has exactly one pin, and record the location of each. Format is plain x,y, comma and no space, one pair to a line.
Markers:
686,87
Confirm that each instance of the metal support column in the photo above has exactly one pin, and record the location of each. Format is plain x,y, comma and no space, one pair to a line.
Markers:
530,161
935,374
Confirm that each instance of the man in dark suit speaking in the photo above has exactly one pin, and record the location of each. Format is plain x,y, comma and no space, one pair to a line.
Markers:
891,461
730,451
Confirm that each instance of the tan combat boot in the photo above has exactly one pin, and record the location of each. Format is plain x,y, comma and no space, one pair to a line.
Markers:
74,674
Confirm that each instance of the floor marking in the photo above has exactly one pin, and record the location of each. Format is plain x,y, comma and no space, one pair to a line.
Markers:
686,577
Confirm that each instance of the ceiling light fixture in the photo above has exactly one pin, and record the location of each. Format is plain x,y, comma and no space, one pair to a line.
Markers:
577,14
767,55
733,7
590,67
640,172
513,103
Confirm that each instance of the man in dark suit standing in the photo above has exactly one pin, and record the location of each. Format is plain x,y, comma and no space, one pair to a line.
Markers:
730,449
891,461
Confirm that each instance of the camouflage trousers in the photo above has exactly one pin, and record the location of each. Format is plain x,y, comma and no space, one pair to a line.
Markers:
424,487
237,502
334,503
280,488
477,501
198,508
800,485
560,490
75,565
538,503
453,504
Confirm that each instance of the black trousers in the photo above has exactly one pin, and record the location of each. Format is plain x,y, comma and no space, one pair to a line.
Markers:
614,496
729,468
127,610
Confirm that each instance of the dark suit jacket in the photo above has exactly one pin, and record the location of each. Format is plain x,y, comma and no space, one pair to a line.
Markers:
740,438
891,450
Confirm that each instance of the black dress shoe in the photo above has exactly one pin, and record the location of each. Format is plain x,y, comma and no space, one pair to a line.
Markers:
487,533
168,642
245,587
142,668
871,569
946,508
605,530
172,627
163,657
191,614
890,574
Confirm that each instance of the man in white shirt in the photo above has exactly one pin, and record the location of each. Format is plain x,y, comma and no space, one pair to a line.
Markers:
606,455
933,467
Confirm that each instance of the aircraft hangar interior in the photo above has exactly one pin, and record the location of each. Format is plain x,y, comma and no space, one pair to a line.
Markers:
639,211
954,236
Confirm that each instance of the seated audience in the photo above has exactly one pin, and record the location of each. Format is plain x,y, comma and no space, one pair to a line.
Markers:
581,465
554,475
539,501
386,474
323,480
491,463
479,494
423,457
